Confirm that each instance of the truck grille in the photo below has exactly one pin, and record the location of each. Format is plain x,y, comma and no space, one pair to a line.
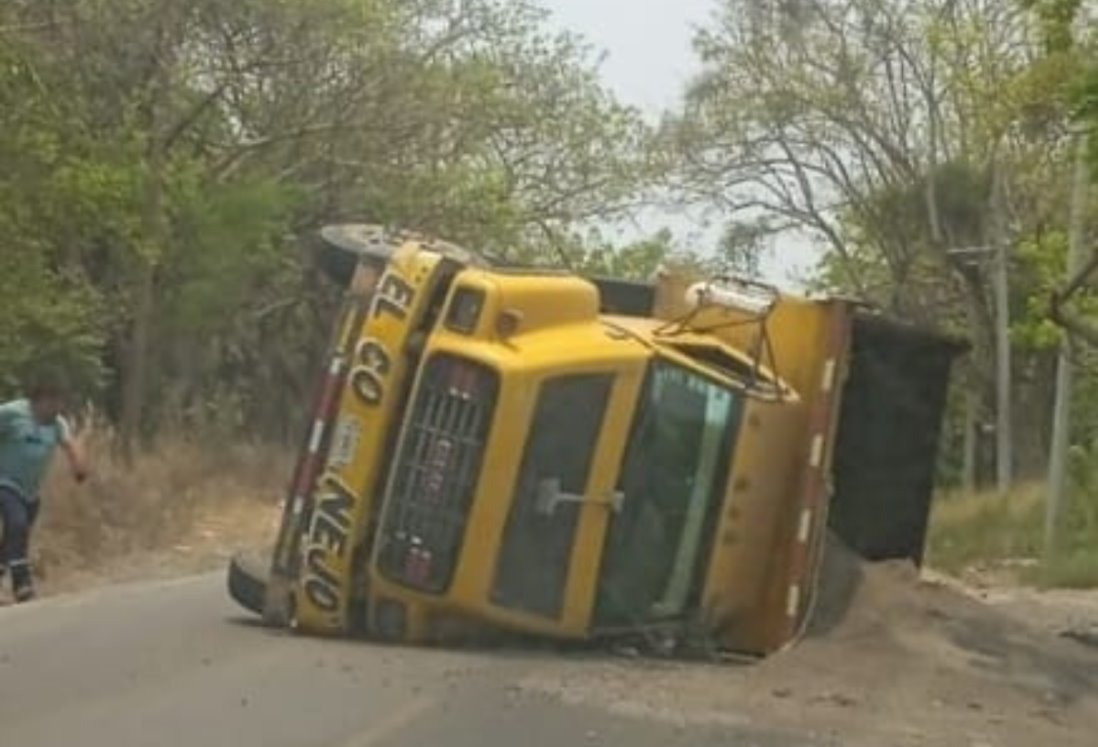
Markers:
435,473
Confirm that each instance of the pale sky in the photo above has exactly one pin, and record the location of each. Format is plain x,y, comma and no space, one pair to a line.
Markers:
649,61
649,43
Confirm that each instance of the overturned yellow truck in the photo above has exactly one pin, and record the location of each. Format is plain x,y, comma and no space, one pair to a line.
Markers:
529,451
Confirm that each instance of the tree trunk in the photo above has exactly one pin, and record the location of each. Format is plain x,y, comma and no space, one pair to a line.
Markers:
1004,438
155,235
972,441
136,365
1061,423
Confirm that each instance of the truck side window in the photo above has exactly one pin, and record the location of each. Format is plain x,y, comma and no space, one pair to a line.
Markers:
673,478
532,569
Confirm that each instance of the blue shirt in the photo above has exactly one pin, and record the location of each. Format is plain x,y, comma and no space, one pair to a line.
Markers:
26,447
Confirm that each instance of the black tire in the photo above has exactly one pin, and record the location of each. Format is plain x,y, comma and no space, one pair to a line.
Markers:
343,246
248,582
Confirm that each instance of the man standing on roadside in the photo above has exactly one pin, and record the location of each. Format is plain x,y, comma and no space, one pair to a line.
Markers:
30,431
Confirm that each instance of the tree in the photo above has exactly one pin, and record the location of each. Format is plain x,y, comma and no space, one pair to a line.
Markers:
174,156
1059,19
902,135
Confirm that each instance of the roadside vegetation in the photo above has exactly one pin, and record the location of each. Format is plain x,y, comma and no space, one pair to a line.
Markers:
165,164
999,536
181,506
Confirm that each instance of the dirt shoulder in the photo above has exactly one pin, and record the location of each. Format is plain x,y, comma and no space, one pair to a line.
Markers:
180,508
1051,610
213,535
896,659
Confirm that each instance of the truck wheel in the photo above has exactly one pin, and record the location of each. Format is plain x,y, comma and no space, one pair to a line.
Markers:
248,582
344,245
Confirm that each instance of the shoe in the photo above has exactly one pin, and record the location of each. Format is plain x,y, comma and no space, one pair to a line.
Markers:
24,594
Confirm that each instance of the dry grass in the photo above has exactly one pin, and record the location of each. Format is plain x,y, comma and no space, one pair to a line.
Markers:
992,533
182,507
972,528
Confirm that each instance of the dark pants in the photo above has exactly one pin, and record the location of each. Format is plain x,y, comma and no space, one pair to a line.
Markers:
18,515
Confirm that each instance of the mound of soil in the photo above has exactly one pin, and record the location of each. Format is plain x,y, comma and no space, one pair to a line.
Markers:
890,609
890,658
893,641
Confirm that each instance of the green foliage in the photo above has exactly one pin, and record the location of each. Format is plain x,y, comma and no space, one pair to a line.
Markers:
879,128
738,251
590,253
1073,57
1041,259
1056,17
986,530
166,163
228,244
637,261
966,530
742,246
47,323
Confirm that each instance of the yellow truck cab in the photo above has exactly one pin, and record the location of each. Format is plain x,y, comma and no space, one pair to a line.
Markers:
532,451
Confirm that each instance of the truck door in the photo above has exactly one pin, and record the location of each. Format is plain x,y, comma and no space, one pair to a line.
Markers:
672,479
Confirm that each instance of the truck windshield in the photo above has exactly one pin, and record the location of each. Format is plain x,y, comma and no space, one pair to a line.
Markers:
673,476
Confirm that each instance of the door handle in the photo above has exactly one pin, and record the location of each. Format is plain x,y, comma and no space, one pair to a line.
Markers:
549,495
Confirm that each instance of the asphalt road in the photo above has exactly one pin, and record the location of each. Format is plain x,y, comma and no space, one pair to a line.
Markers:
175,663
